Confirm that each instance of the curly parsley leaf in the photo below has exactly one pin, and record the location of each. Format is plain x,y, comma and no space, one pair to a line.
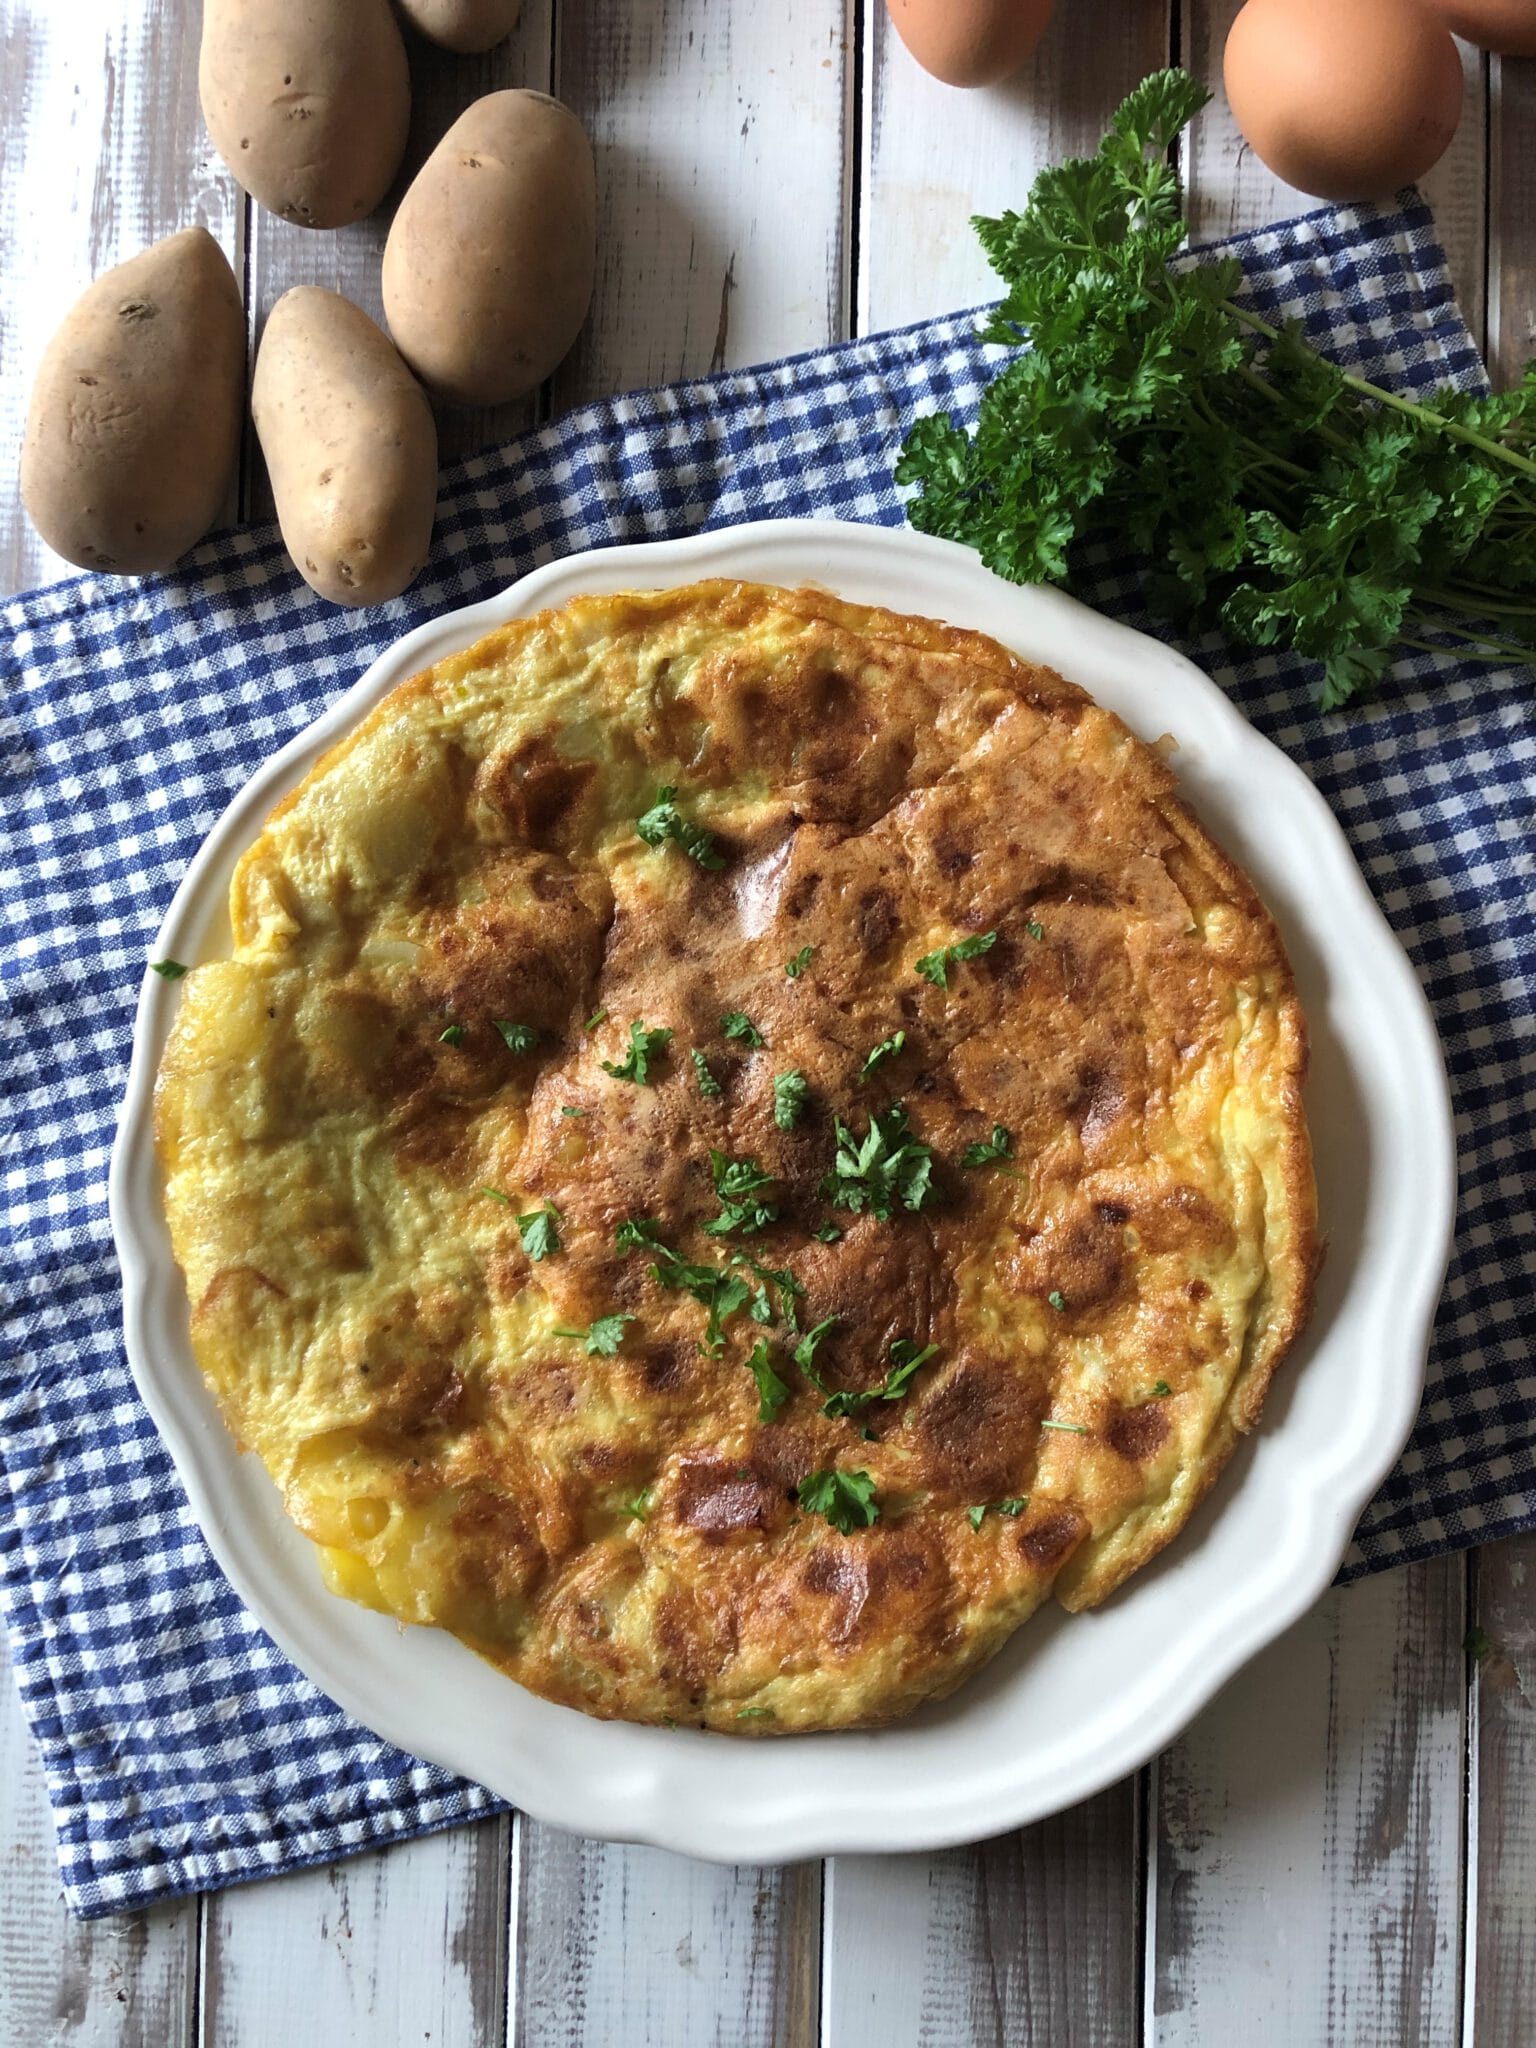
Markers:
601,1338
998,1146
737,1024
847,1499
772,1391
827,1233
789,1098
708,1085
806,1349
643,1048
720,1291
540,1232
935,967
739,1184
516,1037
1270,493
664,821
1013,1507
886,1166
877,1055
1058,1301
796,967
906,1359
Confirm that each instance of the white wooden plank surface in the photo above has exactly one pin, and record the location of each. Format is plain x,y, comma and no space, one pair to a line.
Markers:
933,156
1501,1931
720,159
399,1945
619,1946
1033,1937
1306,1880
124,1983
101,153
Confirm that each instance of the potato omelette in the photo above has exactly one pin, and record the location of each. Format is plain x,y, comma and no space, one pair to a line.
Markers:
744,1141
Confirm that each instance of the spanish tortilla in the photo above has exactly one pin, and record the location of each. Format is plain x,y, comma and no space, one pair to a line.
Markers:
425,1040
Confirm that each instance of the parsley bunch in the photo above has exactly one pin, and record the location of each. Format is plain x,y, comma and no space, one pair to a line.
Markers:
1276,496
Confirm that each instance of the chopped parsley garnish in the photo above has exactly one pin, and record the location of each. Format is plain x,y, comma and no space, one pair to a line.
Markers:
1071,1428
454,1035
805,1351
998,1146
1160,1391
935,966
497,1196
772,1392
847,1499
168,970
755,1714
779,1277
716,1288
1035,929
597,1017
1058,1301
643,1047
886,1166
796,967
887,1049
540,1232
1478,1644
569,1109
639,1505
708,1085
828,1233
738,1183
737,1024
1015,1507
906,1358
601,1338
516,1037
664,821
789,1097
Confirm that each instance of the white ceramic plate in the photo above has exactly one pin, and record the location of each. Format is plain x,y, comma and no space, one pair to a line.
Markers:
1071,1704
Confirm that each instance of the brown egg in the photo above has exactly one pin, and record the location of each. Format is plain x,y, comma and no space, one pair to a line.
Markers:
970,42
1507,26
1347,99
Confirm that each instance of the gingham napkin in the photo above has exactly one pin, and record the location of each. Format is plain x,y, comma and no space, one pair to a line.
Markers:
182,1751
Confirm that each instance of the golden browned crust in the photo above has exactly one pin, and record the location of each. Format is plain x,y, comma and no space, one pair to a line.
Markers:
1107,1302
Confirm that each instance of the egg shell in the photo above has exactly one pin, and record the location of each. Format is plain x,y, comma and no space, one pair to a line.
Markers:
1346,99
970,42
1507,27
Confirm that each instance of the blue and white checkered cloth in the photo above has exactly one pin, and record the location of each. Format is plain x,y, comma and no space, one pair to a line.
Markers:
182,1751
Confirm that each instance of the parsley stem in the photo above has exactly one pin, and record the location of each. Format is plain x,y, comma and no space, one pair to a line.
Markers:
1398,404
1475,597
1474,646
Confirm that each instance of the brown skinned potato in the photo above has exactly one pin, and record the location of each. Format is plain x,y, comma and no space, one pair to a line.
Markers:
466,26
350,446
134,428
489,264
307,101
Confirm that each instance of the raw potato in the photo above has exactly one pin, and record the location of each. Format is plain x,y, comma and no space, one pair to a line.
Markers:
466,26
489,264
134,428
307,101
350,445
